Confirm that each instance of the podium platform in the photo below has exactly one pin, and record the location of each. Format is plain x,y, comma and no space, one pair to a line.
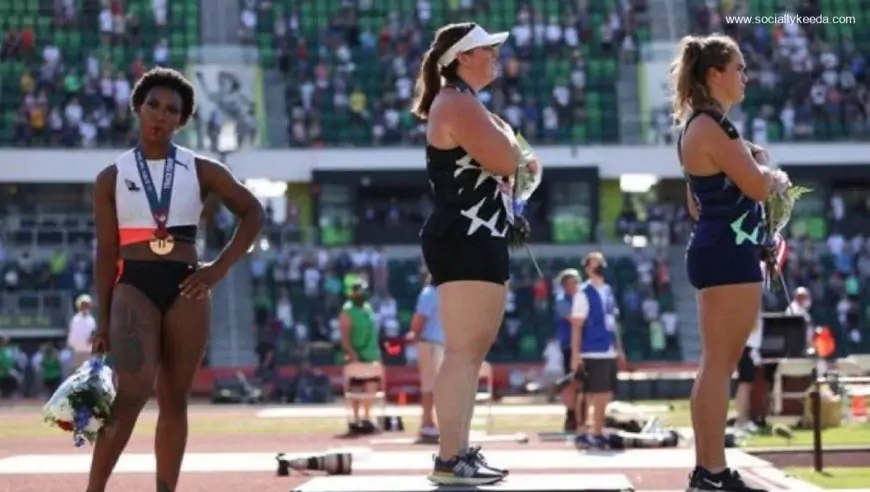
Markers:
513,483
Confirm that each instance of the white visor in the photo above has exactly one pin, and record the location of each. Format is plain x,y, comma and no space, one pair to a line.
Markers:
476,38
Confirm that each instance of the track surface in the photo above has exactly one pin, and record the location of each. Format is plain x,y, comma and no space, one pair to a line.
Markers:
660,478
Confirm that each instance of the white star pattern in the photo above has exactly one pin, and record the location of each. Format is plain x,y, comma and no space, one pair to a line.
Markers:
473,214
477,222
465,164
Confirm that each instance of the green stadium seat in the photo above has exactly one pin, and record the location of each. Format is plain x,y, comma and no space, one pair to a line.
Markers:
77,42
835,34
372,77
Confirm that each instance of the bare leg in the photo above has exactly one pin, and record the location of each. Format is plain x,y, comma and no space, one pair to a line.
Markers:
742,401
470,311
599,407
427,404
185,335
478,362
727,314
135,338
371,389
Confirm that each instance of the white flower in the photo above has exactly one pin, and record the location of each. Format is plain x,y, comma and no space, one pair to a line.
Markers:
94,380
526,180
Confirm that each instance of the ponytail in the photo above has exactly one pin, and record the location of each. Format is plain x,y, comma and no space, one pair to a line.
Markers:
689,71
428,84
429,79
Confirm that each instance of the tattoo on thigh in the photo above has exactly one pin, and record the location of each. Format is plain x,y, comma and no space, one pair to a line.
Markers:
128,338
162,486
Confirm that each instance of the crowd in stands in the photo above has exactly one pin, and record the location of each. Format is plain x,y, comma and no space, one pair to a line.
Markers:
837,275
67,68
38,294
808,81
350,66
33,373
299,296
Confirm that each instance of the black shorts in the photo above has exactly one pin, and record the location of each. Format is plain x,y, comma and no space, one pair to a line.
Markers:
746,369
599,375
158,280
724,264
451,257
359,383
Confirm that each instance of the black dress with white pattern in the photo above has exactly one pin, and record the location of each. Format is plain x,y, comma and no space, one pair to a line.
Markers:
468,200
465,236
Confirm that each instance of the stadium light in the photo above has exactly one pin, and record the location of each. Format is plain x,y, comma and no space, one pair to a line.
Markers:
637,183
265,188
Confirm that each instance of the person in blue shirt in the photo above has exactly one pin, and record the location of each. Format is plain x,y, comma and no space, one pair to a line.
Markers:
427,334
596,350
568,279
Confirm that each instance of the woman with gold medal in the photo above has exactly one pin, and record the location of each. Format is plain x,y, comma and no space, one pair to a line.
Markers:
153,293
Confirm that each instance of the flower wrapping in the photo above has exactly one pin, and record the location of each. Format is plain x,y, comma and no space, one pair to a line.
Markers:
82,404
525,182
777,212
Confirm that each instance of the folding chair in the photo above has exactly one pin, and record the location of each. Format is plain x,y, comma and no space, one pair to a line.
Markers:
485,394
363,370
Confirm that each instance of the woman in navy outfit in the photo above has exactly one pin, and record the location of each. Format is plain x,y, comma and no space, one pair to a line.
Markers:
727,180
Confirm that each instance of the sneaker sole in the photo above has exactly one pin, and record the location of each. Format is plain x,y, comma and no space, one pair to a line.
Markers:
454,480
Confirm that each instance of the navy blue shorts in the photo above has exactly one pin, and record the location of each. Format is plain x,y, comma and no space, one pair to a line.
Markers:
723,264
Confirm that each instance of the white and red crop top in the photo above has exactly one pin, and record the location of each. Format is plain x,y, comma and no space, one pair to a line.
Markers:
135,222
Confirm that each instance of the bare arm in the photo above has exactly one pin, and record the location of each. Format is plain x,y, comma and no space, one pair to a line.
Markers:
108,243
731,156
474,129
417,324
579,312
344,325
759,154
576,334
240,201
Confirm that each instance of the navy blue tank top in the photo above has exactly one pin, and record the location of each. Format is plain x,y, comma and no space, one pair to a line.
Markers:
725,214
468,200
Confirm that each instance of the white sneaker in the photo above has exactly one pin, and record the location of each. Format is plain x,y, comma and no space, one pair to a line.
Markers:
429,432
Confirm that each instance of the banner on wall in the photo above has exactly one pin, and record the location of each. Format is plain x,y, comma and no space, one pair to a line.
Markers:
230,107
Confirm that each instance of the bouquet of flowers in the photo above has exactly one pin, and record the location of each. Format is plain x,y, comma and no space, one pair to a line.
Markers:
525,182
83,403
777,212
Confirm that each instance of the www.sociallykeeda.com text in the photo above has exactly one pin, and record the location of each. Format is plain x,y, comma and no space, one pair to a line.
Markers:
789,19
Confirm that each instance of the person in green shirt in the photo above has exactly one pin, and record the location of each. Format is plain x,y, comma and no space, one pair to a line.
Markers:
8,369
360,344
50,368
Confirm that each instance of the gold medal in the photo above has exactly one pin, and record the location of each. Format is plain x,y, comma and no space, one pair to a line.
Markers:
162,246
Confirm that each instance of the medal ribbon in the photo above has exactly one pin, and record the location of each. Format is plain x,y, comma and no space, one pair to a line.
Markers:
460,85
159,205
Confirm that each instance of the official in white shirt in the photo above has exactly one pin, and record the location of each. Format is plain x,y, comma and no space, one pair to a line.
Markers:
81,328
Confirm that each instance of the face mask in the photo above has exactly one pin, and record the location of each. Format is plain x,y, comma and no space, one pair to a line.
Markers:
598,270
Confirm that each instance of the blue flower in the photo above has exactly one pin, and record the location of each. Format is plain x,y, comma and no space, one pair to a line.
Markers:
82,419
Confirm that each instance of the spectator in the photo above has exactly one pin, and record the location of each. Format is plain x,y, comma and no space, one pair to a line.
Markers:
159,7
10,376
81,327
822,84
